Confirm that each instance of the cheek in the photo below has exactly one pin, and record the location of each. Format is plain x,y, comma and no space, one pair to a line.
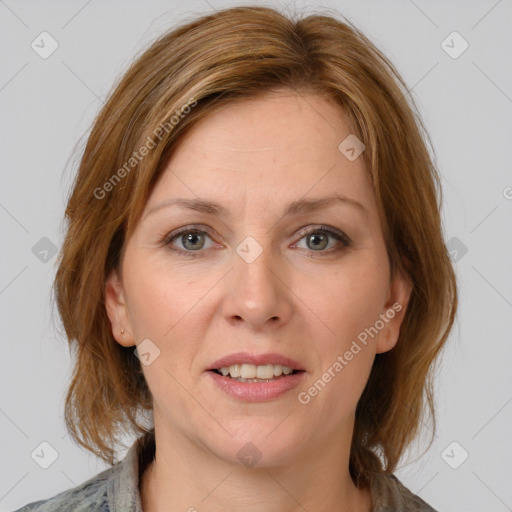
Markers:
347,352
169,307
352,299
350,303
160,298
166,310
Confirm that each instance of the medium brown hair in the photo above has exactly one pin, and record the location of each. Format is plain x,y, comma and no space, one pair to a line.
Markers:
239,54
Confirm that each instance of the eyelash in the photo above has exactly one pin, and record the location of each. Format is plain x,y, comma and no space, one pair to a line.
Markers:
338,235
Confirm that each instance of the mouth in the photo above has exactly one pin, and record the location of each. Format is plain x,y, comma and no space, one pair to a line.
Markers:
244,372
256,378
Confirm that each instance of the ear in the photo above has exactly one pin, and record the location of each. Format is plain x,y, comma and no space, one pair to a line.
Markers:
117,311
394,312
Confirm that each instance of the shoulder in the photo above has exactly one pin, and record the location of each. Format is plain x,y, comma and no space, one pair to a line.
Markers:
91,496
390,495
115,488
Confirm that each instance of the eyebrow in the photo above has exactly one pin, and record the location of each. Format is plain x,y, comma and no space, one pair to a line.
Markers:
299,207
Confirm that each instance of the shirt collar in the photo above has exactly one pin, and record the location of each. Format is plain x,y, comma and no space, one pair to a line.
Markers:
123,493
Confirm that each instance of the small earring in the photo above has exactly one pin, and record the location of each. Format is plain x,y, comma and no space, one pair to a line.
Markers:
122,331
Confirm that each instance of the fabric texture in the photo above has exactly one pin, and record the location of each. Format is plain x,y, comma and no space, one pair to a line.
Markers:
116,489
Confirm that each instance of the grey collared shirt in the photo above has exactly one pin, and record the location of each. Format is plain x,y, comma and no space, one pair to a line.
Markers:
117,489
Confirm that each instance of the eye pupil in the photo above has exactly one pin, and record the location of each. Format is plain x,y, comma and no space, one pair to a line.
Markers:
319,241
190,239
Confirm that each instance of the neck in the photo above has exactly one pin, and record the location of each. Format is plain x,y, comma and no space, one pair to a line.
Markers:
186,476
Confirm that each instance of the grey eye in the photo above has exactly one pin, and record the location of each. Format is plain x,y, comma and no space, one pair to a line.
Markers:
317,241
193,241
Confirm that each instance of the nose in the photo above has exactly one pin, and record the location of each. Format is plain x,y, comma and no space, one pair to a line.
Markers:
256,293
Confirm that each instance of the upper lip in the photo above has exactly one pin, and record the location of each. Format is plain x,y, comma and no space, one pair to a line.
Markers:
256,359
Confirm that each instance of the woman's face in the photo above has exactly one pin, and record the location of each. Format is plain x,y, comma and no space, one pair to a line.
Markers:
260,245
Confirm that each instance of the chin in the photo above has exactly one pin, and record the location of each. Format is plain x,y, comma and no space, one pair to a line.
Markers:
258,443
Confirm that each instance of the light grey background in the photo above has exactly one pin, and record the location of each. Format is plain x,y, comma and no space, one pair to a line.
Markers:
47,106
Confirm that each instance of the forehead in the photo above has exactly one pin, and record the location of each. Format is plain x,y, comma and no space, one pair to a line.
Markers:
275,124
281,146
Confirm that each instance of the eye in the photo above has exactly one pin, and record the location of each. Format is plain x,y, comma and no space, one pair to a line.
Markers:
319,239
188,240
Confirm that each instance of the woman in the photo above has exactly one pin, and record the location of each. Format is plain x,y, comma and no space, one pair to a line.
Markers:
254,275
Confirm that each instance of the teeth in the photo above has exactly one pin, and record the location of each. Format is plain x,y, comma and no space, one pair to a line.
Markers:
251,371
247,371
265,372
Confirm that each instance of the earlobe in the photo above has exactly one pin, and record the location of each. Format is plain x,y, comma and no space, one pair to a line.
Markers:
117,312
394,312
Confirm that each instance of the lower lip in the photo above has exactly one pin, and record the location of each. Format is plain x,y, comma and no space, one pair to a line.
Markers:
256,391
